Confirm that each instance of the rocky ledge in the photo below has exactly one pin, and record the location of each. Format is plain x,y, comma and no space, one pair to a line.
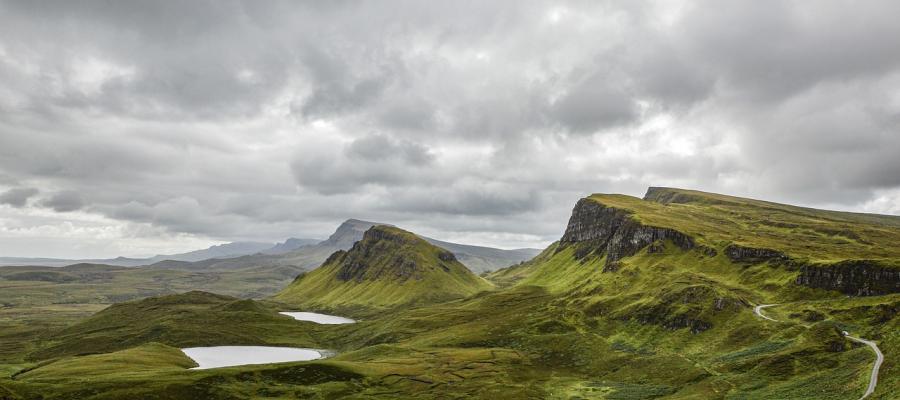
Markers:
852,277
596,228
753,255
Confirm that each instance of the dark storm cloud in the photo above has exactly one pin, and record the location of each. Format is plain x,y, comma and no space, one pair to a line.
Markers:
64,201
594,104
17,197
374,160
480,121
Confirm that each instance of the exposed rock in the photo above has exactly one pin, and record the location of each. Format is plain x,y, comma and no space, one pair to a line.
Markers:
852,277
355,263
612,267
657,316
753,255
707,251
596,228
656,247
447,256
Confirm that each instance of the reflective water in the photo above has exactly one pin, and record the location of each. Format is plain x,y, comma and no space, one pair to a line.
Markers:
227,356
318,318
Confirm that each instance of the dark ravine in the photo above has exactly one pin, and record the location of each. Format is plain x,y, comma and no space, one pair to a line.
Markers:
852,277
595,228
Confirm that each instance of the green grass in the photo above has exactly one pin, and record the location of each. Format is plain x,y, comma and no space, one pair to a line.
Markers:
389,267
184,320
673,323
816,235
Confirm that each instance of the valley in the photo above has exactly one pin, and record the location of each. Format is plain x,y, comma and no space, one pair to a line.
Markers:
678,295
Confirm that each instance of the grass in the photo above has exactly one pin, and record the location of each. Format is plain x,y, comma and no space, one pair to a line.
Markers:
816,235
183,320
389,267
672,323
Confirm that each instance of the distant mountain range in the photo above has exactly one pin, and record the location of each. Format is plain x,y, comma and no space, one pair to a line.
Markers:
221,251
298,254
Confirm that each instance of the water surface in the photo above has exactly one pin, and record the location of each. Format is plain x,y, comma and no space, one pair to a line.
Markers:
318,318
229,356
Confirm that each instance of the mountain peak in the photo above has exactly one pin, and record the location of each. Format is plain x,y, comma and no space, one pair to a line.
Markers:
386,252
387,268
349,232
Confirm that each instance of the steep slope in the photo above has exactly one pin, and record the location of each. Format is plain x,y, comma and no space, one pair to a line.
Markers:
388,267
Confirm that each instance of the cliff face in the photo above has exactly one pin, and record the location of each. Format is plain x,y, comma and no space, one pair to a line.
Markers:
386,253
595,228
753,255
852,277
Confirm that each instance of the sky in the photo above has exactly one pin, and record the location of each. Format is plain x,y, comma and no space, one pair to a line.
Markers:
137,128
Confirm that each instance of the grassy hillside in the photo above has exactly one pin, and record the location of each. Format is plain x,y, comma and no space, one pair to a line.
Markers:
816,235
184,320
640,299
387,268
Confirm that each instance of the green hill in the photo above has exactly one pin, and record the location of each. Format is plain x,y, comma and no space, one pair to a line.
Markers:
639,299
182,320
389,267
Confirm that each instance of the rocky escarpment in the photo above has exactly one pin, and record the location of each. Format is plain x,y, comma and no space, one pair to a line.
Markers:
753,255
596,228
367,258
852,277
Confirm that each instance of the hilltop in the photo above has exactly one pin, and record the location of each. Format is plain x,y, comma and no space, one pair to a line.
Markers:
388,267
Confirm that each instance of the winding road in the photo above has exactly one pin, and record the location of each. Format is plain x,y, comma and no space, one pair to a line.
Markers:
879,357
758,311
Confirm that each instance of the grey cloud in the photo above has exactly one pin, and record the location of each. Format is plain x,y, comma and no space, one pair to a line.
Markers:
593,104
777,50
17,197
380,147
485,199
370,160
64,201
249,120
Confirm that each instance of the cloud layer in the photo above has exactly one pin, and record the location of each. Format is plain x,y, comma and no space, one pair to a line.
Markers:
144,127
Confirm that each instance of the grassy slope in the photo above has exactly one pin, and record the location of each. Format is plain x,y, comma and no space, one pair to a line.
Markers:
563,328
395,268
184,320
817,235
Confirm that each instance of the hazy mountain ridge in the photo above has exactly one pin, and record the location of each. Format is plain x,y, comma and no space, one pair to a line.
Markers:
307,257
226,250
301,254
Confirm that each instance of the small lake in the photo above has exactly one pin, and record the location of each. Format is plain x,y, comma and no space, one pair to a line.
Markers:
229,356
318,318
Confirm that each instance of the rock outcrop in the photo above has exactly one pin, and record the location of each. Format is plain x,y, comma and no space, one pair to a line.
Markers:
388,267
753,255
596,228
852,277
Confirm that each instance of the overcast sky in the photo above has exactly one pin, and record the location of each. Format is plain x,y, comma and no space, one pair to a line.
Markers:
136,128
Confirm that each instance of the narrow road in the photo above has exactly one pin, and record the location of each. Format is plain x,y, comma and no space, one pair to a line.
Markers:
879,357
758,311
